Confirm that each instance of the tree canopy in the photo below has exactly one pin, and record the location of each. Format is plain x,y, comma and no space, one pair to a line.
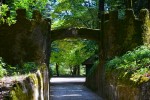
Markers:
74,13
71,13
72,52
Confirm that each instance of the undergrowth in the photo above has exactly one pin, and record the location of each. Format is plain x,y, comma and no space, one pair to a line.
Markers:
133,66
2,70
8,70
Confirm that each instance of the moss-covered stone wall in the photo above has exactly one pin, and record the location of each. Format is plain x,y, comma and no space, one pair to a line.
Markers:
126,90
34,87
120,36
26,40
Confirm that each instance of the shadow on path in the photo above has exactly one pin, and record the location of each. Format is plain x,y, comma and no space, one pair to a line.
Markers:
70,89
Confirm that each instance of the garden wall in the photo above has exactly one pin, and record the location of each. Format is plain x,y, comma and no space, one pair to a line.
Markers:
120,36
27,41
118,90
34,86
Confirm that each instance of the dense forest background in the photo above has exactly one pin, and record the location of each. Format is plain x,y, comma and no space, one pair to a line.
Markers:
72,13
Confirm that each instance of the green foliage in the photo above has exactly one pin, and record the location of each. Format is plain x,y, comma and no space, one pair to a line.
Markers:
3,10
13,5
133,65
3,15
10,20
30,5
71,52
2,70
115,4
74,13
29,67
17,70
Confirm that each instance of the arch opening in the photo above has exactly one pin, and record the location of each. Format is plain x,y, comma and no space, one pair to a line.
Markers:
73,56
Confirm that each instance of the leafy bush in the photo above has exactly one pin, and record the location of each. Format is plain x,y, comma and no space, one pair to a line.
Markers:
133,65
2,70
29,67
17,70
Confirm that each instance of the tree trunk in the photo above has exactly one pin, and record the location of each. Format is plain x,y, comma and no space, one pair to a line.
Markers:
74,71
78,70
57,69
71,71
101,70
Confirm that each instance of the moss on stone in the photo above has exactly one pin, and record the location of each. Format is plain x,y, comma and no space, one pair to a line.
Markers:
18,92
40,84
143,80
25,39
34,78
13,95
28,89
34,84
129,14
144,18
144,15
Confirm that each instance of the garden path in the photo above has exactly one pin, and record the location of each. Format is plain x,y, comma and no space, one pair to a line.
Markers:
70,89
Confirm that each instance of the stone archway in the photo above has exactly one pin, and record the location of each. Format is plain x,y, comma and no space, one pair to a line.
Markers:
82,33
85,33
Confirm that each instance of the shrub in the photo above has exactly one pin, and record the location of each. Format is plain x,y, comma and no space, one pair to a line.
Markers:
2,70
29,67
133,65
24,69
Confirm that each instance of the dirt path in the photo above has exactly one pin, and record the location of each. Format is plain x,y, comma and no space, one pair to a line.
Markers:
70,89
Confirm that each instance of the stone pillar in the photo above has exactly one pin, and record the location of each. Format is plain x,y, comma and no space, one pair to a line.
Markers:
113,15
129,29
110,36
144,18
21,14
37,15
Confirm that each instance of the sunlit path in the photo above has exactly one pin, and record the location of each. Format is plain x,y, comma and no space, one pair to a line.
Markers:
70,89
